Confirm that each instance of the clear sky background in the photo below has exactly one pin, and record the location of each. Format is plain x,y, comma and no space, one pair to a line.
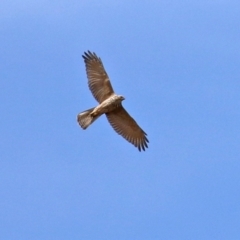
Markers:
178,65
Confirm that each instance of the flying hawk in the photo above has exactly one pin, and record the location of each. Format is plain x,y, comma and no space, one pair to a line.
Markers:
109,103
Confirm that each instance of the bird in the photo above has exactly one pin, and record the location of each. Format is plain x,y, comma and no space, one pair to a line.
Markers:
110,104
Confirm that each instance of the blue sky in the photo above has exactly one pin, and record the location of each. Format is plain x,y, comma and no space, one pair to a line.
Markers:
177,64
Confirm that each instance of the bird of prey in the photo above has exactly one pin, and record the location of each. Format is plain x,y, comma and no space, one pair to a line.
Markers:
110,104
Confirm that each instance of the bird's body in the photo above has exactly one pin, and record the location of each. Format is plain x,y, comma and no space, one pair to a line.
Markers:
92,114
109,104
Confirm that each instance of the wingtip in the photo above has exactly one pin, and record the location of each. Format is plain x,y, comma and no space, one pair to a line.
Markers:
88,55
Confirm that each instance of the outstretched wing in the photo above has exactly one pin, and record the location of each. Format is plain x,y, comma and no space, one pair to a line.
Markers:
98,80
127,127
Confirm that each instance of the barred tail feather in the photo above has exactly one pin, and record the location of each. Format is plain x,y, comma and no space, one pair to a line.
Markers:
85,119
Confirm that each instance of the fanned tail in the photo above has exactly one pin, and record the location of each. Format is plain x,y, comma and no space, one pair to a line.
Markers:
85,119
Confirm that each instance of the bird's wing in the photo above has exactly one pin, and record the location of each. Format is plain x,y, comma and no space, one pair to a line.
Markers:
98,80
127,127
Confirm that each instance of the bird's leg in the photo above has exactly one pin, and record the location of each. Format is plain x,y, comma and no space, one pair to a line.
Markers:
94,113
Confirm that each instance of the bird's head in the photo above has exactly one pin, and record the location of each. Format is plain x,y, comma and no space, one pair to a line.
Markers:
121,98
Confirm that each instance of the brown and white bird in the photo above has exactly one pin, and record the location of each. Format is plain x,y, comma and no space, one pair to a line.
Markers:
109,104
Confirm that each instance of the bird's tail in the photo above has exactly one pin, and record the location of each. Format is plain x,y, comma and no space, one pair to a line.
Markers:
85,119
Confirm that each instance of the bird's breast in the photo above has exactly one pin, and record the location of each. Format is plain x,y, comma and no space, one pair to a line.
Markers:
107,105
